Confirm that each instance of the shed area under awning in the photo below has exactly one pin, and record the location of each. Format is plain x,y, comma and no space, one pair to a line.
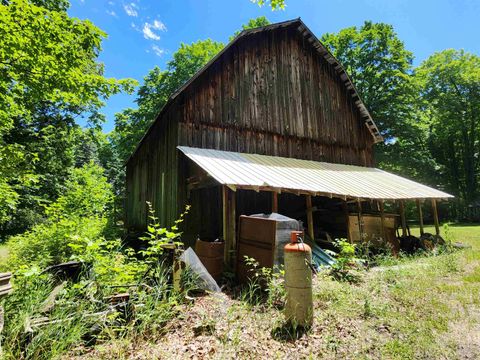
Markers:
280,174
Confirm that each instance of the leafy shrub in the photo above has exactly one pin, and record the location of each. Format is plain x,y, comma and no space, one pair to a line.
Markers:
157,237
345,262
87,194
53,242
76,219
111,263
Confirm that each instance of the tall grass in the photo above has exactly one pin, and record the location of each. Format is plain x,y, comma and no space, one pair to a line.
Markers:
67,326
82,316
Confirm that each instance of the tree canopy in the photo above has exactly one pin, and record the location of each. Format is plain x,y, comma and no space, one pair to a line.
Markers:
450,88
50,76
274,4
381,69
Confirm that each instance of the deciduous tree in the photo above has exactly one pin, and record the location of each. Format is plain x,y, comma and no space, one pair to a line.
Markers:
450,88
252,24
381,69
49,76
274,4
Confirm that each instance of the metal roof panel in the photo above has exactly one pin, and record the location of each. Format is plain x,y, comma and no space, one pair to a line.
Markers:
253,171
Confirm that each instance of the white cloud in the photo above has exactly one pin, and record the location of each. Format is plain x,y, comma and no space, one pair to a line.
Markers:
130,9
157,50
157,24
112,13
148,33
111,3
149,30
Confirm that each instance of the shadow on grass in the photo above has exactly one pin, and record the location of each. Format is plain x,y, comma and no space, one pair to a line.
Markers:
289,332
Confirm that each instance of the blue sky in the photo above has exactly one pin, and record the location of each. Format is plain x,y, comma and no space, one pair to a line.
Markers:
145,33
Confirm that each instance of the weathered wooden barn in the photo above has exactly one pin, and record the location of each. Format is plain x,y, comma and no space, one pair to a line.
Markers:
276,91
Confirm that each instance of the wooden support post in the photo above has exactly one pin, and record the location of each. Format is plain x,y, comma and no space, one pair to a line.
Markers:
229,224
347,221
311,232
382,220
420,216
402,218
274,202
435,216
360,219
225,222
233,228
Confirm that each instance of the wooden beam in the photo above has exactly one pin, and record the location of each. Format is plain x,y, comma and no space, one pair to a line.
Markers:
232,228
229,226
311,232
402,218
274,202
196,183
382,220
347,220
163,203
360,218
225,222
435,216
420,216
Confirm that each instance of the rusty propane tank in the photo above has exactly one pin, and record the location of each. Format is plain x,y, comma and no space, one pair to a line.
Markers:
298,281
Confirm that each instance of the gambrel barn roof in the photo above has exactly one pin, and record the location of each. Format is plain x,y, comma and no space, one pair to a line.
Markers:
311,39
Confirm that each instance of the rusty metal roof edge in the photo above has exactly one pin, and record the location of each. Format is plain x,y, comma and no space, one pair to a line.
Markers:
361,106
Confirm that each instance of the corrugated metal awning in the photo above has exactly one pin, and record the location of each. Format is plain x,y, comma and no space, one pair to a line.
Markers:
261,172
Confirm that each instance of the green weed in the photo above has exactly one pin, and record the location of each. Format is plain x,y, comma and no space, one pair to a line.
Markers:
265,285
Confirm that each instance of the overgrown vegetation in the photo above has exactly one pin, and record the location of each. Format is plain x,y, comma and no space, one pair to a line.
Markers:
414,307
73,223
346,262
78,227
266,285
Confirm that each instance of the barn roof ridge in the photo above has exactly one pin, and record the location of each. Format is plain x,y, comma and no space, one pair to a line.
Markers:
311,37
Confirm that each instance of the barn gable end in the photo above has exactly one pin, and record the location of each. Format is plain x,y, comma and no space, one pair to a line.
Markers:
269,92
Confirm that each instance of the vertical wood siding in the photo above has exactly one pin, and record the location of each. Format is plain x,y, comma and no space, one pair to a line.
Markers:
271,93
152,175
